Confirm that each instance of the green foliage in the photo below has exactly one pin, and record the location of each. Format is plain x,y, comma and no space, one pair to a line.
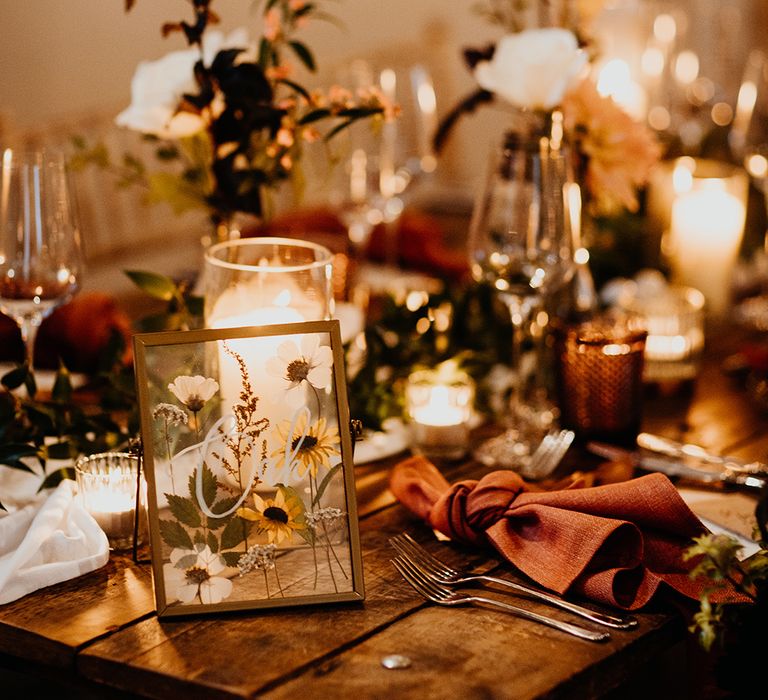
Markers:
184,309
324,483
36,429
734,626
190,526
465,324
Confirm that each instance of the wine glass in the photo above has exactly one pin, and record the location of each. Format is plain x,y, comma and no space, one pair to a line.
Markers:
380,164
40,258
521,242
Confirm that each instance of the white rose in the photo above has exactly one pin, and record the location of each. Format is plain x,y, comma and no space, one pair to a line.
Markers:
534,68
157,88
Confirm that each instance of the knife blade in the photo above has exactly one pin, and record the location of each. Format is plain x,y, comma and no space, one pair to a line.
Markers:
672,448
675,468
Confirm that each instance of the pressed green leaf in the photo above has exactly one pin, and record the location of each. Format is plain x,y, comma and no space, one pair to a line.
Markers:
55,478
231,558
174,534
221,506
213,543
235,532
184,510
303,54
209,486
324,483
199,538
157,286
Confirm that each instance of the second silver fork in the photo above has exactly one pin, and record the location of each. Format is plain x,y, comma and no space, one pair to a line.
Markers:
439,571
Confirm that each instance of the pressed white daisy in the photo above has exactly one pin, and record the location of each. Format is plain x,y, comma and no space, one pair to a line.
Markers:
193,392
308,365
192,574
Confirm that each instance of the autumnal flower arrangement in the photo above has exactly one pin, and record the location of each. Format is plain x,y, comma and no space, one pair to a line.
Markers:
230,114
539,71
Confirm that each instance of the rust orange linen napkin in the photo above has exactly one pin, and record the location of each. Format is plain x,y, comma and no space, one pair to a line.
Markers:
614,544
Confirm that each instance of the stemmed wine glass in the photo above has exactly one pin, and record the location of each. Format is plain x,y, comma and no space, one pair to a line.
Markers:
40,257
521,242
380,164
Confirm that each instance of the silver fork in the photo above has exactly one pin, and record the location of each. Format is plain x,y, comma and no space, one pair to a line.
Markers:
445,596
441,573
548,454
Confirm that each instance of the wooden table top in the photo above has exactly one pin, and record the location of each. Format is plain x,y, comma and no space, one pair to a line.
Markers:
99,633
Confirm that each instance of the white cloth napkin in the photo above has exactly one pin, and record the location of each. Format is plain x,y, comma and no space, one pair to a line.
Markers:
48,541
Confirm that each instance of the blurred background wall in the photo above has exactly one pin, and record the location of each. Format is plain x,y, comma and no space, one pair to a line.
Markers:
66,68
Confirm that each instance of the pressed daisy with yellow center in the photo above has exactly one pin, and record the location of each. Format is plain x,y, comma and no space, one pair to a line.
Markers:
278,517
311,447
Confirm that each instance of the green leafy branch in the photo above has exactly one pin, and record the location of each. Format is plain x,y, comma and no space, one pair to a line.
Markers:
190,526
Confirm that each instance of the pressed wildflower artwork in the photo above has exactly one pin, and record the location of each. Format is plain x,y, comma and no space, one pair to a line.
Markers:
248,460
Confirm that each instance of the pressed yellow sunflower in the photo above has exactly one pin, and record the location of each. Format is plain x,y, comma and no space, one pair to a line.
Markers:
314,450
277,516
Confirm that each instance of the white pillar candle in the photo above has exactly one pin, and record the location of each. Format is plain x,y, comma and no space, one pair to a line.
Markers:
706,227
706,231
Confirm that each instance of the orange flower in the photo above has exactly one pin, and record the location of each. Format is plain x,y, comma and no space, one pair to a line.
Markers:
620,152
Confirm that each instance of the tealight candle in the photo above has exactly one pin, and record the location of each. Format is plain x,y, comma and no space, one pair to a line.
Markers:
440,406
107,485
706,228
675,321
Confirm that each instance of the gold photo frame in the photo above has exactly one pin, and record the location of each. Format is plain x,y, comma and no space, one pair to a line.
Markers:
248,463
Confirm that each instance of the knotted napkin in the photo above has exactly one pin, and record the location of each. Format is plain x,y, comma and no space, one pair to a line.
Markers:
614,544
48,541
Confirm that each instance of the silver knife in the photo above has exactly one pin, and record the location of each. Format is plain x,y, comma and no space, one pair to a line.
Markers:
672,448
676,468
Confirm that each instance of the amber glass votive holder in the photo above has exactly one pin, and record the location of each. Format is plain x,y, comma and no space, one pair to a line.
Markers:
600,378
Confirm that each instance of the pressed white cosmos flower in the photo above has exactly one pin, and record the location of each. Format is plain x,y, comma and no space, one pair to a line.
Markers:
192,574
193,392
310,364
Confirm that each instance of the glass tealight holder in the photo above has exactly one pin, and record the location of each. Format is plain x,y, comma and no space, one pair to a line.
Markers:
440,408
675,322
107,486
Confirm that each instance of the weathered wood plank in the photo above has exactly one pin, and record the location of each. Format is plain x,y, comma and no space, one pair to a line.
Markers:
258,648
473,653
50,625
